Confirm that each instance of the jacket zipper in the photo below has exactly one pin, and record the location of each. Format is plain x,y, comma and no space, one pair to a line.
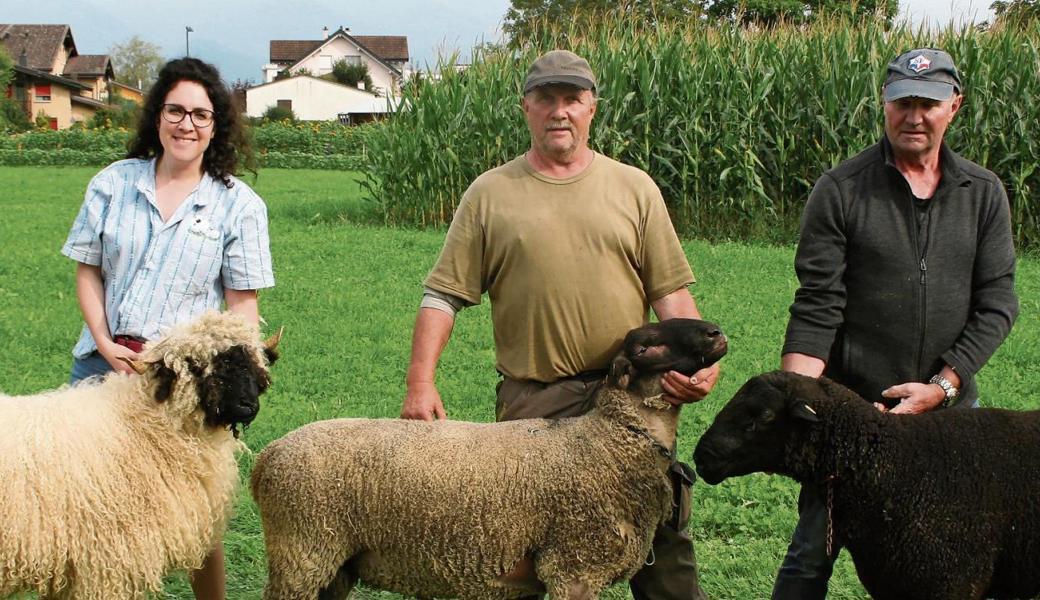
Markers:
921,251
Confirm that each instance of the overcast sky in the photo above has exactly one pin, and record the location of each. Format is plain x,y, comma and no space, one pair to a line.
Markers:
234,34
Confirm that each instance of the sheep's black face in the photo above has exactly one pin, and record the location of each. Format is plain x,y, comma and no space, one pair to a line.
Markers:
229,391
684,345
750,433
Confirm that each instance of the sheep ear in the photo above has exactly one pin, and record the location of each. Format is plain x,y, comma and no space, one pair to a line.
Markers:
271,345
165,376
802,410
621,372
139,366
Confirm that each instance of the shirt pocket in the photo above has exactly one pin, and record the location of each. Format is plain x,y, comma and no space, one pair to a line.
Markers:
198,262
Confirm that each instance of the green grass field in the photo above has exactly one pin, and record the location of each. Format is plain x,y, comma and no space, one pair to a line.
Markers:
347,293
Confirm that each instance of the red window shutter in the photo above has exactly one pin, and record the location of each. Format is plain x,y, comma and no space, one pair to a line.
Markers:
53,123
43,89
10,91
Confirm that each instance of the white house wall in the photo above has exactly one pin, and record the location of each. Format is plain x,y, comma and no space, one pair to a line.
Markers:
321,62
312,99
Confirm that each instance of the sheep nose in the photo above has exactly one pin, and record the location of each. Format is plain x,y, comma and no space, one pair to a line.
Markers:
715,333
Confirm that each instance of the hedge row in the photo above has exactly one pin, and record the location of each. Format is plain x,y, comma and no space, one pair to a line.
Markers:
69,157
319,145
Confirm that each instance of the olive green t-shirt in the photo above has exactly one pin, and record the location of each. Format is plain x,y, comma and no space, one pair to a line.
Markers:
570,265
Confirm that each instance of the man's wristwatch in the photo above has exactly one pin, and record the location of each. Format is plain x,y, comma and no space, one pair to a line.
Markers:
947,388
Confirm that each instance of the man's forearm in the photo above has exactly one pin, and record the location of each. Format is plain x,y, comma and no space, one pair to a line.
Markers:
432,330
678,304
804,364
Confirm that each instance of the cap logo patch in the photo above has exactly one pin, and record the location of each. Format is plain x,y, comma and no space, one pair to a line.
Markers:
919,63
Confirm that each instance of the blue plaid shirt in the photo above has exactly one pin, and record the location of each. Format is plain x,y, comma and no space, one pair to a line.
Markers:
159,273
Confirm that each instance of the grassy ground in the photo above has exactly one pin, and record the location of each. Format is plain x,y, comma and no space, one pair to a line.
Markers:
347,295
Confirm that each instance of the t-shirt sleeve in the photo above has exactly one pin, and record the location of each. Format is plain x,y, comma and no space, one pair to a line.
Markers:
664,267
247,250
458,270
84,241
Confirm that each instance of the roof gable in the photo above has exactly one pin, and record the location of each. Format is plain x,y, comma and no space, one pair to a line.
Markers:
291,51
40,43
387,47
88,64
383,47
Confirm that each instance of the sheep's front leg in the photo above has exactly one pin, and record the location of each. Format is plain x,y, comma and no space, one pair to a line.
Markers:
340,586
573,590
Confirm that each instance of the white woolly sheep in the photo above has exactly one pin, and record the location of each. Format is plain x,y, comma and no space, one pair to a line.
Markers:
937,506
109,485
470,510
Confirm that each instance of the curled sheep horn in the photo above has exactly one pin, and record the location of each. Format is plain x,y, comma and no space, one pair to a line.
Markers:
271,343
139,366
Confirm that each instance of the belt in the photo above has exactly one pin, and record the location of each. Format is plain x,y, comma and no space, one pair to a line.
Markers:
134,343
583,376
587,376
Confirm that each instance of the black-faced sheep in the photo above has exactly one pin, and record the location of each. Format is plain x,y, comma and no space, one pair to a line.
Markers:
469,510
938,506
107,486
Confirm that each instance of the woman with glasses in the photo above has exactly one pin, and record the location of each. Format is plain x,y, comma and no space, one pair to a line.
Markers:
169,233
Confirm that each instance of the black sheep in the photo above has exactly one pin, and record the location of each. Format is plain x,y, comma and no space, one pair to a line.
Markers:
942,505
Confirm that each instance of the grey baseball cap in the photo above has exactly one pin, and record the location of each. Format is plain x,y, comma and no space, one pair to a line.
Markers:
922,73
560,66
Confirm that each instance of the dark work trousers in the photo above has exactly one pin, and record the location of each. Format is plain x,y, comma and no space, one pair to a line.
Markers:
673,574
807,568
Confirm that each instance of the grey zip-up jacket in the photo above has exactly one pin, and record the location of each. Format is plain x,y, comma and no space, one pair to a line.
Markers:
886,298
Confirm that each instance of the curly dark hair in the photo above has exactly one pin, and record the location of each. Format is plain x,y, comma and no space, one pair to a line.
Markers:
228,149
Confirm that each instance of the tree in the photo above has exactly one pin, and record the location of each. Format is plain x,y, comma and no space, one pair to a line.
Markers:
136,62
525,18
1016,13
350,74
12,114
6,69
770,12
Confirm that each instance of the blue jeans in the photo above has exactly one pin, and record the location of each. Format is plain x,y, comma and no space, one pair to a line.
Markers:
93,365
807,568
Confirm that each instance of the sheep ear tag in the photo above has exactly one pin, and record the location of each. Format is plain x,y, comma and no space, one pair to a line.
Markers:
802,410
139,366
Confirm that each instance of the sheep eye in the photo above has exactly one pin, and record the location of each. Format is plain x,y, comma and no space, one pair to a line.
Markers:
767,417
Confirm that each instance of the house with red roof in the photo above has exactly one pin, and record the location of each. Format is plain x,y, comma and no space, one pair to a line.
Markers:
53,79
293,76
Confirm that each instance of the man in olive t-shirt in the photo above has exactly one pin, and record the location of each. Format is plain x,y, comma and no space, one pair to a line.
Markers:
572,248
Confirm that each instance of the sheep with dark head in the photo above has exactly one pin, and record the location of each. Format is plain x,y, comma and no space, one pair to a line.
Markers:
937,506
109,485
482,511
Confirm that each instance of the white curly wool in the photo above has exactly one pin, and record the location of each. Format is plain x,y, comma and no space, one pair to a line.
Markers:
104,489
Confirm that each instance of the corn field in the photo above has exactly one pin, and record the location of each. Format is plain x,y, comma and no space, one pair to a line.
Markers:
734,124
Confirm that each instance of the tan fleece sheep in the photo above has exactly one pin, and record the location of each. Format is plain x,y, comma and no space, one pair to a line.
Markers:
107,486
451,509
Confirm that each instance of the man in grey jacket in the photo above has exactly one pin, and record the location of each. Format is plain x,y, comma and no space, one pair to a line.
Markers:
906,269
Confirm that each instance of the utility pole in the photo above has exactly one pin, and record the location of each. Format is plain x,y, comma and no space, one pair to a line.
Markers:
187,47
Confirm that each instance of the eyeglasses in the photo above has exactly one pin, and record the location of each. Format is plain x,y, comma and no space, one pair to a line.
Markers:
175,113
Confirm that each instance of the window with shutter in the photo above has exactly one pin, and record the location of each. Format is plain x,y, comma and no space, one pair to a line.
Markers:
42,92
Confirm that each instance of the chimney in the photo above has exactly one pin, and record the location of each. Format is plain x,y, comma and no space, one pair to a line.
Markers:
23,59
325,33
